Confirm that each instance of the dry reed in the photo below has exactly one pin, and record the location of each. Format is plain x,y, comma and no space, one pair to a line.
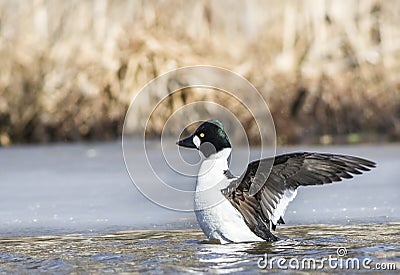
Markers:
329,70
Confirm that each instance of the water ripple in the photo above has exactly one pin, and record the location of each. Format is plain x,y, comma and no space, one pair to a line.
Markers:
183,251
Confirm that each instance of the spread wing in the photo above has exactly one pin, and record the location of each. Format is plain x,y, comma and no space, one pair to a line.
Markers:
262,198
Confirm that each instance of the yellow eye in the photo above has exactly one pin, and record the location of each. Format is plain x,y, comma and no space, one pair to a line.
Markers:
201,135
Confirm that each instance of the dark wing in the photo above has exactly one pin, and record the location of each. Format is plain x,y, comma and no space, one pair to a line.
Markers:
263,198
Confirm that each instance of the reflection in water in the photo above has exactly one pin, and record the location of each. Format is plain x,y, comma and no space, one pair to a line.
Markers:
184,251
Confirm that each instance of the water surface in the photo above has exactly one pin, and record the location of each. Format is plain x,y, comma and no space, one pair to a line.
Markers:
72,208
182,251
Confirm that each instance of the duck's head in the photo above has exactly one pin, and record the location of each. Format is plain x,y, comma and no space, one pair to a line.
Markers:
209,138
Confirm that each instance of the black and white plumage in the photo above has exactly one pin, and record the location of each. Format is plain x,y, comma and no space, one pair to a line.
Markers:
263,199
250,206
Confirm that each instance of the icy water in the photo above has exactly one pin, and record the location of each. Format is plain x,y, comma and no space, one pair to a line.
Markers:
181,251
73,209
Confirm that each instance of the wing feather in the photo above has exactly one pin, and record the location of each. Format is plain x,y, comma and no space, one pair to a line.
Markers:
262,193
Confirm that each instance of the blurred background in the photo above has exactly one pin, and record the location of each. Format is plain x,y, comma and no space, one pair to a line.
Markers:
329,70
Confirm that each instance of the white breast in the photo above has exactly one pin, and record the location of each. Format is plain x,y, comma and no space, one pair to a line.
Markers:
217,217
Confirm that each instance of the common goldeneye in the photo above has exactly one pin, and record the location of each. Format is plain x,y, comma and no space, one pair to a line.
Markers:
248,208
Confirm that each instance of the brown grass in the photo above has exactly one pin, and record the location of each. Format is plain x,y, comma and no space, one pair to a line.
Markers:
329,70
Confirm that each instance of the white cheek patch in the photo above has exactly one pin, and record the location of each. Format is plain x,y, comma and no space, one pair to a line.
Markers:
196,141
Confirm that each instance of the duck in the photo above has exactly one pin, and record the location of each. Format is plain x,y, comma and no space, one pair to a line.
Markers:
247,208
